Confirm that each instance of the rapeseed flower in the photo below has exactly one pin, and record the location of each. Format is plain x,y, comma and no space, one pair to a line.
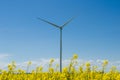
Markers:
70,72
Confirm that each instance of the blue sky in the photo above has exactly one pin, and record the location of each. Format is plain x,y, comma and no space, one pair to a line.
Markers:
93,34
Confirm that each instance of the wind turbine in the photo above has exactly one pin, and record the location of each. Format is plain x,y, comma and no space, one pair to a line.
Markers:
60,28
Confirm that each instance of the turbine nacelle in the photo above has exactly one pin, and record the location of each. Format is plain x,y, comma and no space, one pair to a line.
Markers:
60,27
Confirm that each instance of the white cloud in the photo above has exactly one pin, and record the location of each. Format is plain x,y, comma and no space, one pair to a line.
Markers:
45,63
2,56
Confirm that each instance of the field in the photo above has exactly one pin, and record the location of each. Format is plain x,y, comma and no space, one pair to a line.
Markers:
84,72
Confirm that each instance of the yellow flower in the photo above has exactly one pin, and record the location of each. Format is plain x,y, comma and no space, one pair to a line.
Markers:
87,64
65,69
29,63
51,60
75,56
105,62
70,72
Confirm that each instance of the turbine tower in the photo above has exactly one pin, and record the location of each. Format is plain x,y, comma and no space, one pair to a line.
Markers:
60,28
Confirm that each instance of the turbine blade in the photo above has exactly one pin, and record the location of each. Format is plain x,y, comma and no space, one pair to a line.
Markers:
67,22
49,23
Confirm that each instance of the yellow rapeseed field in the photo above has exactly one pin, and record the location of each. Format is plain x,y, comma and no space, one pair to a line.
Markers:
84,72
